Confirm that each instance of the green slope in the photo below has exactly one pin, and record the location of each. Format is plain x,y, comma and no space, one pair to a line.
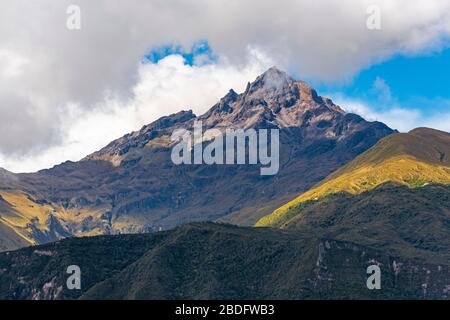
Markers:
215,261
39,272
225,262
413,159
407,222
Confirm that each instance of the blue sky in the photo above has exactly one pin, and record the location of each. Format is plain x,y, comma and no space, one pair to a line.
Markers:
191,55
419,82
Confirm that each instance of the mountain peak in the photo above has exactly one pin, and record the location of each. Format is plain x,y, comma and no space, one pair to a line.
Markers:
275,73
426,132
272,100
273,79
275,85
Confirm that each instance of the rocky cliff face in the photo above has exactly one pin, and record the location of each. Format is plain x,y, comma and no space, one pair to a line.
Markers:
132,185
341,271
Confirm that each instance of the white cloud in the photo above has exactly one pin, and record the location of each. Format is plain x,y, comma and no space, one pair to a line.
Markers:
439,121
382,89
397,117
46,69
11,65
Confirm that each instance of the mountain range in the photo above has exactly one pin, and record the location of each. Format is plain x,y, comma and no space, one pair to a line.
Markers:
132,185
349,194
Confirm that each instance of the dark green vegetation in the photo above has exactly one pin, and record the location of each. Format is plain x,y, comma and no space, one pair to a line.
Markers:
213,261
39,272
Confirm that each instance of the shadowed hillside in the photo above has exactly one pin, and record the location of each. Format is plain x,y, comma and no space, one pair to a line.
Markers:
210,261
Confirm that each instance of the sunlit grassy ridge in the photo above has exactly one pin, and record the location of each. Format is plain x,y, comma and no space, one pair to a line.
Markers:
26,217
22,212
414,159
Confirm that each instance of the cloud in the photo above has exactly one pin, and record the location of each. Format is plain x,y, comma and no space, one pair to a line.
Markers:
384,107
439,121
49,74
397,117
382,89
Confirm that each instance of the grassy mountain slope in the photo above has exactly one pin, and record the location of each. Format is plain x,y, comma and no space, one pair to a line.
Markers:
413,159
216,261
36,221
11,239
